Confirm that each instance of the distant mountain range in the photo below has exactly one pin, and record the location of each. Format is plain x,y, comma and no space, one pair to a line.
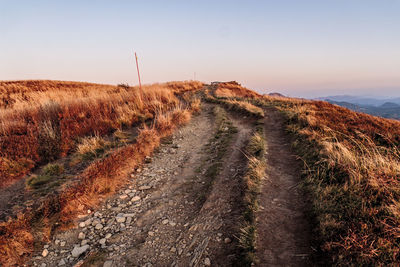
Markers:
386,108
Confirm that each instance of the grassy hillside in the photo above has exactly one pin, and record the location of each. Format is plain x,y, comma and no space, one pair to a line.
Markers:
104,130
352,176
74,144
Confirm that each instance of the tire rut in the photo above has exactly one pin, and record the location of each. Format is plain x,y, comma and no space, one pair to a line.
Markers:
283,232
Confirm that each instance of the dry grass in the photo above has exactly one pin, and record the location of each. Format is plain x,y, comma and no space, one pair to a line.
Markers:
255,172
352,171
56,128
233,90
99,180
41,120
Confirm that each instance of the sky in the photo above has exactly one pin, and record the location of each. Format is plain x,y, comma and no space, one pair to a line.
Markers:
298,48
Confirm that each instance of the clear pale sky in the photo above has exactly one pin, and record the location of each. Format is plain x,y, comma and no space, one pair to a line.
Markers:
300,48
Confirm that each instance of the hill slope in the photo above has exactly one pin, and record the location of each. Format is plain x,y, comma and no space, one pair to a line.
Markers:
228,188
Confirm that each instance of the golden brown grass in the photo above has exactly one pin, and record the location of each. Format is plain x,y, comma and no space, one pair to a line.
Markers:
61,124
232,90
41,120
352,171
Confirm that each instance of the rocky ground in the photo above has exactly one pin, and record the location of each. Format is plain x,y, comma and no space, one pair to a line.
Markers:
161,218
178,210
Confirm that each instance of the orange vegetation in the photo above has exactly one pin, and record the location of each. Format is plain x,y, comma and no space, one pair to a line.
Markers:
40,120
36,132
352,172
233,89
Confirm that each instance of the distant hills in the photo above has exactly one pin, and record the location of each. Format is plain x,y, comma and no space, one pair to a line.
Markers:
386,108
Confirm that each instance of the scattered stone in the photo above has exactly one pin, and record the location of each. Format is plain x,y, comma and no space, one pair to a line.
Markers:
108,264
207,262
144,187
173,249
102,241
172,223
99,226
96,221
62,244
81,236
43,265
227,240
219,234
135,198
120,219
88,222
127,191
77,251
46,246
108,235
45,252
57,242
150,233
123,196
165,221
61,262
82,224
84,242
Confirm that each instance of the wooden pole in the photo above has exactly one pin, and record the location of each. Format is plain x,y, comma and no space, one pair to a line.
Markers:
138,73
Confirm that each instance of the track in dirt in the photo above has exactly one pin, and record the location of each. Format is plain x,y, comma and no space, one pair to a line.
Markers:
161,218
283,232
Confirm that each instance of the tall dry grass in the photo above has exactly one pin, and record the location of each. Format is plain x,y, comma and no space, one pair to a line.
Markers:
41,120
352,172
61,122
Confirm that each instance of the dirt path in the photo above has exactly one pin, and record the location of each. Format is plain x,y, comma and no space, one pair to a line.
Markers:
162,218
283,232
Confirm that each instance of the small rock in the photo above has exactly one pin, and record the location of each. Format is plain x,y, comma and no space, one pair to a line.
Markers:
135,198
45,252
57,242
219,234
61,262
99,226
165,221
172,223
123,196
207,262
120,219
81,236
127,191
88,222
144,187
173,249
227,240
108,235
46,246
150,233
82,224
62,244
102,241
84,242
43,265
108,264
77,251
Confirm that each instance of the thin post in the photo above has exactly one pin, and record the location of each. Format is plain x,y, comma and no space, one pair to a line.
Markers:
138,73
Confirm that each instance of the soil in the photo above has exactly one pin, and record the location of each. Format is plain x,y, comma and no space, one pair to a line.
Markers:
283,237
175,215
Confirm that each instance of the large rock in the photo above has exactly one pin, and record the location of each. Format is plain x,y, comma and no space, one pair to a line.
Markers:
77,251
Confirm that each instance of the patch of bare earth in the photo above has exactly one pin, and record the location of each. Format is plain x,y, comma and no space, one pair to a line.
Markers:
283,232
